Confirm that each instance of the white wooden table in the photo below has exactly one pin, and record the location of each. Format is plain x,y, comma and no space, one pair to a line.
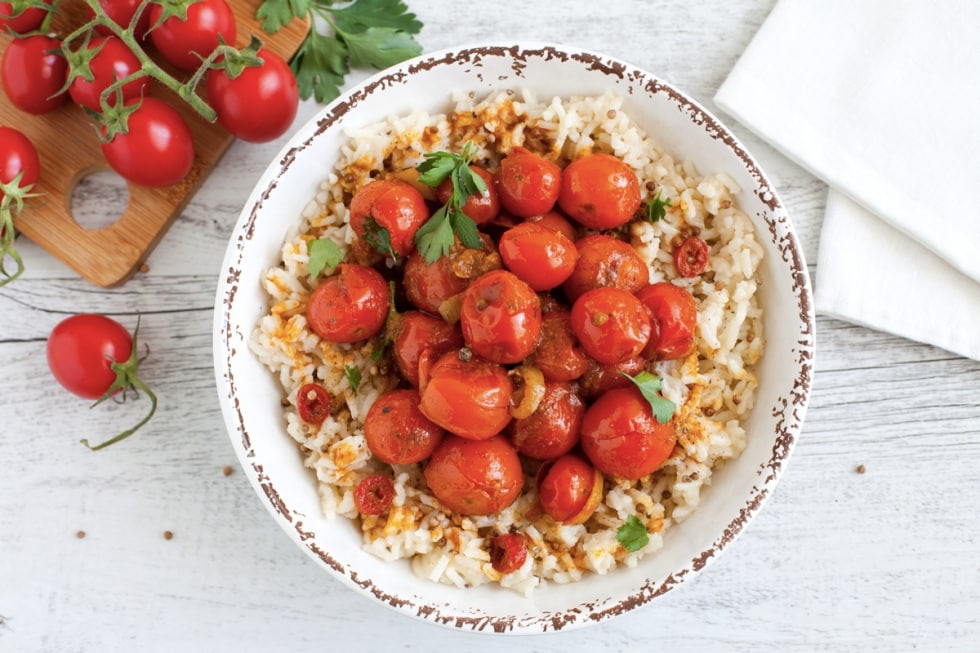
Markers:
884,560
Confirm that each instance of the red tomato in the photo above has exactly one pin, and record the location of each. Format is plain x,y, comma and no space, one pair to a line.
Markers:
349,306
158,149
34,73
21,22
540,256
623,438
528,183
556,222
374,494
420,336
396,430
470,398
481,209
559,355
508,552
428,285
603,377
122,12
612,324
673,320
599,191
605,262
17,155
551,430
569,489
691,257
313,403
81,350
392,205
501,317
475,477
258,105
185,43
113,61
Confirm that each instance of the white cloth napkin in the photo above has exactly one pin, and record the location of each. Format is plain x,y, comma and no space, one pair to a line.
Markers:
881,100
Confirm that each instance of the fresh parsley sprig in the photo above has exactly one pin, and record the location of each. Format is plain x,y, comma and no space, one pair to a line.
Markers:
657,208
366,33
435,237
649,385
325,254
632,534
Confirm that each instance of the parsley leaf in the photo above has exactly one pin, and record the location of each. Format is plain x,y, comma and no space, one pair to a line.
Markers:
632,534
649,385
324,254
378,237
353,374
435,237
657,208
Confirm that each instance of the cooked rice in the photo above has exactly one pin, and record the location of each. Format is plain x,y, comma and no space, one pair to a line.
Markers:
713,388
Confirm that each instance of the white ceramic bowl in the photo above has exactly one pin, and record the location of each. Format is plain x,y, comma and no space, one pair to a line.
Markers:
249,394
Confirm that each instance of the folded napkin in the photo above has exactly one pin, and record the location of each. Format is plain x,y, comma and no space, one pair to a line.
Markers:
881,100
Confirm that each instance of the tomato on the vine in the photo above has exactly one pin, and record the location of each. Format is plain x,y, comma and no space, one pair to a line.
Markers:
18,156
158,149
122,12
113,61
186,42
34,73
21,22
258,104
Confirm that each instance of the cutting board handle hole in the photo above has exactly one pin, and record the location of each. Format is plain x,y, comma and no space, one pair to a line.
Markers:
99,199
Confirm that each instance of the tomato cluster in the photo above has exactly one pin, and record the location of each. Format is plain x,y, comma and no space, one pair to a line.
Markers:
516,358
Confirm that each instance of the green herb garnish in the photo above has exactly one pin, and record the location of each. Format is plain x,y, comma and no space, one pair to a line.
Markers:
632,534
324,254
649,385
435,238
353,374
657,208
378,237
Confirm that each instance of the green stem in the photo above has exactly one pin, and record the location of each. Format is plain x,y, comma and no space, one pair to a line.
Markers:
128,432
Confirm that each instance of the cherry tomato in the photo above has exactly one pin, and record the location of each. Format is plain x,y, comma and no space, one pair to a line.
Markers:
508,552
113,61
21,22
621,436
349,306
81,350
313,403
17,155
393,205
559,355
599,191
374,494
481,209
612,324
541,257
528,183
602,377
428,285
556,222
605,262
501,317
470,397
258,105
691,257
122,12
553,429
475,477
569,489
673,320
185,43
420,336
396,430
158,149
34,73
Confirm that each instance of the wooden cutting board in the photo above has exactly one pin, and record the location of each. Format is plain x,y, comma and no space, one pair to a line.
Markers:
68,147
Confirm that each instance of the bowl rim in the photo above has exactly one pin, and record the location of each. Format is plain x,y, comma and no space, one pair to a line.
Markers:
781,231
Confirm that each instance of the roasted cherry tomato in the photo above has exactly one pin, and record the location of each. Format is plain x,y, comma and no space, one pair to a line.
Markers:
612,324
673,320
23,21
467,395
313,403
396,430
553,429
600,378
481,209
185,43
501,317
428,285
605,262
559,355
374,494
569,489
508,552
528,183
691,257
122,12
34,73
259,104
158,149
419,336
17,155
349,306
391,205
599,191
555,221
475,477
113,61
623,438
542,257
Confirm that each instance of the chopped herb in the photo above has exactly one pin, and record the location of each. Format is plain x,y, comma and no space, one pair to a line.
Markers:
649,385
435,238
632,534
324,254
378,237
657,208
353,374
